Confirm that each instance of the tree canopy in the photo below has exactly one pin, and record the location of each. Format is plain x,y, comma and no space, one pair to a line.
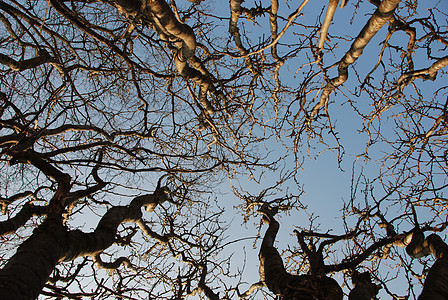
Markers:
146,145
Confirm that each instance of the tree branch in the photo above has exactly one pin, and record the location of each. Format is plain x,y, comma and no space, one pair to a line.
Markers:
28,210
381,16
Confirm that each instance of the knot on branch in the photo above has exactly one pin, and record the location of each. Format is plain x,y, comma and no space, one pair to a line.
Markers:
268,213
161,194
417,248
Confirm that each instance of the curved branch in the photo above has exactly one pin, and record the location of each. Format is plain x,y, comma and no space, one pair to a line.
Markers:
273,273
428,73
100,264
82,244
251,290
381,16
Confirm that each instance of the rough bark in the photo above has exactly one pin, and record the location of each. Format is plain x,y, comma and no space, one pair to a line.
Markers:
27,271
436,282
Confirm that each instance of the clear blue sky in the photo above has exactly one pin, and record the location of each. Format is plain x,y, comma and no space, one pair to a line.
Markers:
325,184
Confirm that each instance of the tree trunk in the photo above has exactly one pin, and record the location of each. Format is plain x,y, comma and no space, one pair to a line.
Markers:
436,282
288,286
25,274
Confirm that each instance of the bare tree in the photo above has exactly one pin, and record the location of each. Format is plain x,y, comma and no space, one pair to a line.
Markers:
108,107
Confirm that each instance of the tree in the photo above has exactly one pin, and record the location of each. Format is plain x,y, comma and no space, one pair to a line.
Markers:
108,107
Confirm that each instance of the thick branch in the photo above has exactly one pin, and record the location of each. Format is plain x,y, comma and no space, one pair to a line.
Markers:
273,273
29,210
428,73
251,290
25,274
100,264
26,63
381,16
436,282
4,202
167,23
82,244
332,4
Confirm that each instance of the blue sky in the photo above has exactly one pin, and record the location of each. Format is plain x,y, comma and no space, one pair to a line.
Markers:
326,184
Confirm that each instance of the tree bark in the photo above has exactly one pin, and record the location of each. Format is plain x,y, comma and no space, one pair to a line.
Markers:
275,277
25,274
381,16
436,282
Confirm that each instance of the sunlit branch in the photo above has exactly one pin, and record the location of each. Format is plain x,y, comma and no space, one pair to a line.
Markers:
6,201
428,73
251,290
381,16
113,265
332,4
